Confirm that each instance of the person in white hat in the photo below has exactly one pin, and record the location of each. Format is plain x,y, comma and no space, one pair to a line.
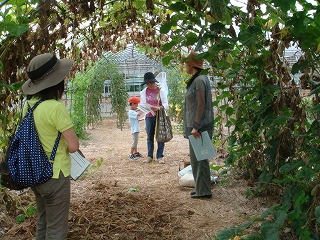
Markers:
46,83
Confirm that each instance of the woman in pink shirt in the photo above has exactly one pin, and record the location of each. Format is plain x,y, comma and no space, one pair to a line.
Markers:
156,97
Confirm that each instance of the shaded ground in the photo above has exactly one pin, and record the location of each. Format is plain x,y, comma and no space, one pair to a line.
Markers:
119,198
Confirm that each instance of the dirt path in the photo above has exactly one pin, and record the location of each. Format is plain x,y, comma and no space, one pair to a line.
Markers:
159,184
129,199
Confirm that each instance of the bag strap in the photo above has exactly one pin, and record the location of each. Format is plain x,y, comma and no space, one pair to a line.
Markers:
55,147
56,143
31,109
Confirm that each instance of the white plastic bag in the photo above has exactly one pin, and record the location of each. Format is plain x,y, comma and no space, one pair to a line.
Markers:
185,170
162,79
187,180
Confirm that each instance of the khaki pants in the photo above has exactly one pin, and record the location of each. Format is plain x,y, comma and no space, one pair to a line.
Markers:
201,174
53,203
201,169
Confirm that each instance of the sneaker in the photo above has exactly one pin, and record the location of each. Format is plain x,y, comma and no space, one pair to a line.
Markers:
161,160
132,157
149,160
137,154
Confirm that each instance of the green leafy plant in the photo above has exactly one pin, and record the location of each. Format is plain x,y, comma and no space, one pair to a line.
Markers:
118,95
77,91
9,114
85,93
29,212
176,87
272,144
92,168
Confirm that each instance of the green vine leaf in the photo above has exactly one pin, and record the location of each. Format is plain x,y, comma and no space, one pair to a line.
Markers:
178,6
191,38
166,47
227,234
269,231
166,60
229,111
315,91
317,214
251,237
20,218
245,49
285,5
17,30
31,211
280,218
166,27
218,26
290,167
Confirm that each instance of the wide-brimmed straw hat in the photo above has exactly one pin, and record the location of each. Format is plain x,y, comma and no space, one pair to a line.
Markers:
148,78
192,61
44,71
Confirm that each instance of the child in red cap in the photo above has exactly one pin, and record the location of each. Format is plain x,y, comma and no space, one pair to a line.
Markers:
133,115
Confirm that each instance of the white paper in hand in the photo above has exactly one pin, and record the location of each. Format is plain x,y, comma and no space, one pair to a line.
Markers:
146,108
78,164
202,147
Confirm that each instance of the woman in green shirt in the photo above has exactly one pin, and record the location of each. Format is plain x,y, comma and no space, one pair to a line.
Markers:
198,117
46,83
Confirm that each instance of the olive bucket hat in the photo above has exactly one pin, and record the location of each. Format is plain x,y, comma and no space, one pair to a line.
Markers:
148,78
44,71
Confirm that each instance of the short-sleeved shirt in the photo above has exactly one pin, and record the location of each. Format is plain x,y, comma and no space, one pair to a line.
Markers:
200,83
152,98
133,120
51,116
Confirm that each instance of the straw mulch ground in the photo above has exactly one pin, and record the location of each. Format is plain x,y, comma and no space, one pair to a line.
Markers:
119,198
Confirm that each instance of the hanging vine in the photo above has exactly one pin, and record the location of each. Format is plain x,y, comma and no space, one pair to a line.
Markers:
273,144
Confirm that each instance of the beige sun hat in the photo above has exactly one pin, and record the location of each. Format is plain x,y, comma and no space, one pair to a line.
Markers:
192,61
44,71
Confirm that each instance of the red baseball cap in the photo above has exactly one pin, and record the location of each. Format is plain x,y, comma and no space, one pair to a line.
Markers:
134,100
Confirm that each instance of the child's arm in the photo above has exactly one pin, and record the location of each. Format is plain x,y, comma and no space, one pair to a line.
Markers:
139,112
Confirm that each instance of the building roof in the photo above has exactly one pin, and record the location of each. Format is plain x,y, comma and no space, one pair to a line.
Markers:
132,63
